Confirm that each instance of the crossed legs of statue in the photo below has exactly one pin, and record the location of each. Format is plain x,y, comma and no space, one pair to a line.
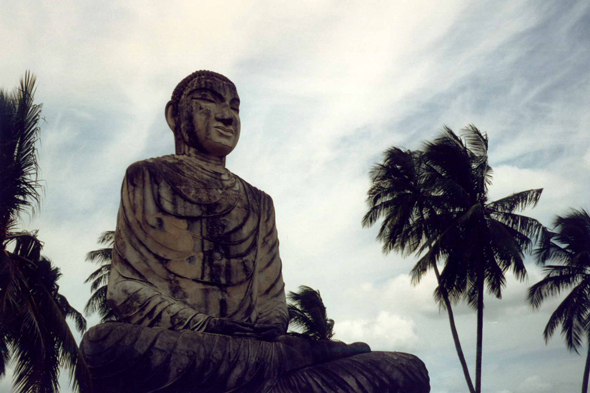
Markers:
129,358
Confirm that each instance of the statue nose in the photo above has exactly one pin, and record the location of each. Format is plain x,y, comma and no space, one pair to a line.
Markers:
224,115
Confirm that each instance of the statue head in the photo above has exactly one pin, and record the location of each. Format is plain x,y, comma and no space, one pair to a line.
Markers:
204,115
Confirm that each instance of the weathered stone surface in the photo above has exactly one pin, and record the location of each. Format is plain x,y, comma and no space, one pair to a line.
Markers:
196,278
130,358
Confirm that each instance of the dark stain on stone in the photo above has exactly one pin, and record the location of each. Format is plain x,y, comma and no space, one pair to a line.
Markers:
175,288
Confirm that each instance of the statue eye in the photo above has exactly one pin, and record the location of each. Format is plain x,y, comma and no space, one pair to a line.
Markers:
236,109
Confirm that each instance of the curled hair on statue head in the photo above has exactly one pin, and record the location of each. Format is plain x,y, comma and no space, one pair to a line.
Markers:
181,87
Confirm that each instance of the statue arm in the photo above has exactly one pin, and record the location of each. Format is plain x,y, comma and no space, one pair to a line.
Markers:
138,288
272,304
139,303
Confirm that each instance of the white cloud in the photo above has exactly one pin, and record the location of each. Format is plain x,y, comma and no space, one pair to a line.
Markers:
535,384
386,332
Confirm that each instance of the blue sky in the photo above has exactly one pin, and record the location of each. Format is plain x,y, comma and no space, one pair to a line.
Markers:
326,87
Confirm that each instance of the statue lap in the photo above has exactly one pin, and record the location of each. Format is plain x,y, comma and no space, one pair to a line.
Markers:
136,359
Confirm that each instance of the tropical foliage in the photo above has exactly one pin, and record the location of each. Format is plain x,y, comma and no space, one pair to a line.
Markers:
307,313
33,329
569,248
19,133
435,203
407,204
100,278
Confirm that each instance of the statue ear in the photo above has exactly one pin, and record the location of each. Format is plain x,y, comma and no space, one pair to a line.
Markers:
171,110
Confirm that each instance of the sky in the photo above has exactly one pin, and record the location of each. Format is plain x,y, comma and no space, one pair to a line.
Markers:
325,88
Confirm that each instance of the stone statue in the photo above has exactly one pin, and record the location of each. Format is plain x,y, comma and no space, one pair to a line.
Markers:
196,278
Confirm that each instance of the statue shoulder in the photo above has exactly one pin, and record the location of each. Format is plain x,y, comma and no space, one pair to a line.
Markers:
137,169
264,198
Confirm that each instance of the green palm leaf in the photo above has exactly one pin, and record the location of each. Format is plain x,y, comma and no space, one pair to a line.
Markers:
19,133
434,203
100,277
569,246
308,313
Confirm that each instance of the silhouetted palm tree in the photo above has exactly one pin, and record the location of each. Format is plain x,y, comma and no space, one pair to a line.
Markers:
33,328
477,240
100,278
407,205
19,132
308,313
570,248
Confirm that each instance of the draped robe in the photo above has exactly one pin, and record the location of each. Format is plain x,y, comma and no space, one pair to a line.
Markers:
192,243
195,242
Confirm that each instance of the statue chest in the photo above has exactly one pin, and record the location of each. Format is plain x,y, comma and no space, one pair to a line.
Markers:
224,230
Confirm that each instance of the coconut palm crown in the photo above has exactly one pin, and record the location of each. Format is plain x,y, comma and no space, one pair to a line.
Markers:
308,313
435,203
34,334
569,248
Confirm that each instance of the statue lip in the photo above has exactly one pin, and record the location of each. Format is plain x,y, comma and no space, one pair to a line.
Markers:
225,130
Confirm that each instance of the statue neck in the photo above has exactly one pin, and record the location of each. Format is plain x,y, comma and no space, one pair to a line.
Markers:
215,163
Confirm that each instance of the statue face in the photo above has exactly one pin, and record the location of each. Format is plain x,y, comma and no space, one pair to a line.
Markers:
209,116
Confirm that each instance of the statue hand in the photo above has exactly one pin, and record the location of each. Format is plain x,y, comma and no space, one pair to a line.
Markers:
269,331
229,327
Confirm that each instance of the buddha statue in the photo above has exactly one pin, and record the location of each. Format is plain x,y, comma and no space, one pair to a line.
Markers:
197,282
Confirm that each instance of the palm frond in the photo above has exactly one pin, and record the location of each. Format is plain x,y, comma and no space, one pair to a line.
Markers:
300,320
550,250
41,325
528,226
477,141
557,279
507,248
572,314
107,238
307,312
26,244
570,246
103,255
19,133
99,277
70,355
4,350
517,201
97,301
425,263
70,312
573,231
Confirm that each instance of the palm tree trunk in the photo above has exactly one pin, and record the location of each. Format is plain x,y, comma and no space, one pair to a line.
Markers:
479,352
454,332
586,371
447,302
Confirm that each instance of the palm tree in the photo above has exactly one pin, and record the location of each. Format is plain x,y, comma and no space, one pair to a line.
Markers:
399,195
19,132
100,278
570,248
307,312
33,327
477,240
